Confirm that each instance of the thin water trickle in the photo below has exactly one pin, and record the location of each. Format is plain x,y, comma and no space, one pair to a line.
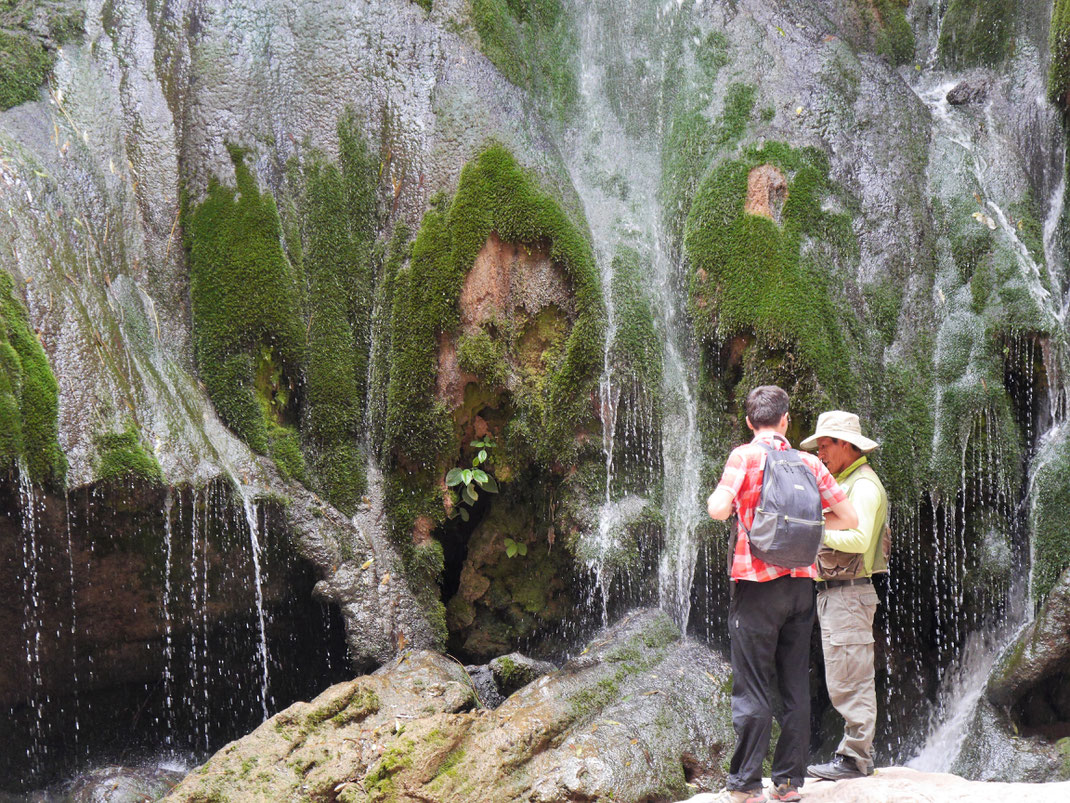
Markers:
251,518
169,650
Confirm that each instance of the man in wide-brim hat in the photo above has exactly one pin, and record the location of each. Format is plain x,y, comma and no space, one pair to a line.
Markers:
846,599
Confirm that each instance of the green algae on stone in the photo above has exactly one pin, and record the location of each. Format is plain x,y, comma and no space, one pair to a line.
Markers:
29,395
245,297
1059,44
338,214
123,457
532,43
977,33
750,276
26,53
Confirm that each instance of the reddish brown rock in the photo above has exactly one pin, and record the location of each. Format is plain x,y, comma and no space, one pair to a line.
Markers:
767,190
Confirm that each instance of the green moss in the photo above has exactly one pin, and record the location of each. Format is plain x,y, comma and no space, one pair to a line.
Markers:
883,300
397,254
29,395
424,4
483,355
977,33
24,65
122,456
690,142
1051,520
26,56
895,39
533,44
1025,216
246,297
636,350
494,195
1059,42
338,214
379,781
750,278
449,764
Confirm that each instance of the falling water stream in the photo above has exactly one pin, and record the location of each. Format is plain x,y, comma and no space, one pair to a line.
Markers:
616,168
970,655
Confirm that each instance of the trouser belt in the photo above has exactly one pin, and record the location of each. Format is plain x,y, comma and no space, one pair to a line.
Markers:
858,581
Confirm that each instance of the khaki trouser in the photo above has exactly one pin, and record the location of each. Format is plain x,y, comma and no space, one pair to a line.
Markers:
846,616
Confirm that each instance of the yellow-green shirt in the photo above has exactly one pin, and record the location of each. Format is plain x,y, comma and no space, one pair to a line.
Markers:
870,501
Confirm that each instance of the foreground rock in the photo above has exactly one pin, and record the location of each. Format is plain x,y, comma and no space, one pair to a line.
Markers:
637,716
903,785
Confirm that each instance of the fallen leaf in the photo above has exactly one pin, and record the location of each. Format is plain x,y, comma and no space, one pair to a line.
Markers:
385,580
367,563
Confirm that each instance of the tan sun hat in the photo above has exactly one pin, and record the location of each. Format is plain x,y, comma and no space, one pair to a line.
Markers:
841,425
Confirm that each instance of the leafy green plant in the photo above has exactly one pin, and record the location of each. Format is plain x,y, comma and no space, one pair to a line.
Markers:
468,478
514,548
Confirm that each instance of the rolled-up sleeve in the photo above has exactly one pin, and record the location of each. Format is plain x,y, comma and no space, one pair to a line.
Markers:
866,500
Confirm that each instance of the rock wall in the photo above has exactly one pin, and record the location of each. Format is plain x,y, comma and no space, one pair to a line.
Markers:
338,255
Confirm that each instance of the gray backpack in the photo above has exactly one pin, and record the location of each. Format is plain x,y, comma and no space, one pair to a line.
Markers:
788,525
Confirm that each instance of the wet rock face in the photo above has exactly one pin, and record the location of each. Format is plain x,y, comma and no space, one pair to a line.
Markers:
158,595
1031,685
633,718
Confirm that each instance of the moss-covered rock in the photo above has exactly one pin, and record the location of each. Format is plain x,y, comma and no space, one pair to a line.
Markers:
754,284
977,33
1059,42
338,224
635,717
554,353
533,45
246,301
30,30
1051,517
123,457
29,396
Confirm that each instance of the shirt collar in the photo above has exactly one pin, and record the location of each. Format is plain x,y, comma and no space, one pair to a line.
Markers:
851,469
771,438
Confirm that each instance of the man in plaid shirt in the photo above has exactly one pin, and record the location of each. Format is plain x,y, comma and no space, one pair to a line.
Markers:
771,615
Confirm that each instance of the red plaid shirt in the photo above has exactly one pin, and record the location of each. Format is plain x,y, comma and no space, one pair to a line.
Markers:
743,477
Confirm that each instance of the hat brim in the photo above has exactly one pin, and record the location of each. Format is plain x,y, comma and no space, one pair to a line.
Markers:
864,444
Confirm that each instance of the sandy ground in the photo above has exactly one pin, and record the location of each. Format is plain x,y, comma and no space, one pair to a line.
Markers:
903,785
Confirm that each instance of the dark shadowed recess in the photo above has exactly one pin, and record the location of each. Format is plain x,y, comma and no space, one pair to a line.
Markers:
130,629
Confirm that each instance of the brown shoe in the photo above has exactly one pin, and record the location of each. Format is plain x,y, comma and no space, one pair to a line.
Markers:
749,796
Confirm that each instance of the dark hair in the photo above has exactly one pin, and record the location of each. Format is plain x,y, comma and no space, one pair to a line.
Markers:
766,405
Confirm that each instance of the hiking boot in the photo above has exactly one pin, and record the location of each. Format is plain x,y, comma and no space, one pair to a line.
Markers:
785,791
750,796
838,769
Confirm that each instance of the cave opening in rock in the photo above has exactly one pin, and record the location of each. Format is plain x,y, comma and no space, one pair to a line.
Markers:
1045,709
454,536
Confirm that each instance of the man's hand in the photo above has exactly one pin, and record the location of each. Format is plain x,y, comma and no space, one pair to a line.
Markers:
719,505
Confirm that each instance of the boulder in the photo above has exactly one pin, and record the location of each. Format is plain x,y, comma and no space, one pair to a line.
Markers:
1030,681
514,671
637,715
968,92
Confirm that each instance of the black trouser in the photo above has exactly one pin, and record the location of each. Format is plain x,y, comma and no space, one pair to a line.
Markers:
770,624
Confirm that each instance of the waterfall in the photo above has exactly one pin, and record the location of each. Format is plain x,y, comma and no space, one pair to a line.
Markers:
250,508
32,625
615,165
968,643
